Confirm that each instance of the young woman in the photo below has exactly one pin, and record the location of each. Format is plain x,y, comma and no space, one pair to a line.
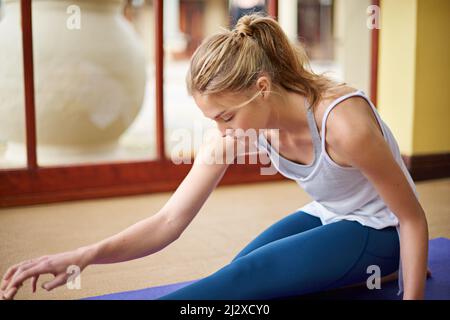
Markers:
330,140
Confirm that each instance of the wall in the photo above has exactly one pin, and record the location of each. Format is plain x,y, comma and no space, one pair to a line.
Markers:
414,65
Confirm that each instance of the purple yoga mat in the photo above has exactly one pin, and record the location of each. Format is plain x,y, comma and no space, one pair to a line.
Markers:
437,288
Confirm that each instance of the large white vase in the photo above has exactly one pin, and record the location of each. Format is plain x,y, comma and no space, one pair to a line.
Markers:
89,82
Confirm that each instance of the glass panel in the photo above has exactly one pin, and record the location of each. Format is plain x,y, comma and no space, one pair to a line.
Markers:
315,32
94,81
239,8
12,105
187,23
336,37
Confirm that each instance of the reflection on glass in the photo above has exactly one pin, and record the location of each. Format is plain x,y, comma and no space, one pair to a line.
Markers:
315,32
315,28
93,81
12,108
239,8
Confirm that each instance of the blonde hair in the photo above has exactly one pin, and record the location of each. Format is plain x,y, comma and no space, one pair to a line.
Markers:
233,60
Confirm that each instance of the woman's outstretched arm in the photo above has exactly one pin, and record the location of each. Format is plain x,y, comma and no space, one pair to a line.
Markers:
158,231
140,239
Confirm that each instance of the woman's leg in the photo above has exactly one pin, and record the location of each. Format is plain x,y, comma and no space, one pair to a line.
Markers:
320,258
382,250
294,223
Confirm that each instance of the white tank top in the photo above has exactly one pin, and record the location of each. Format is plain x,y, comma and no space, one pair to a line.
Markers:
340,193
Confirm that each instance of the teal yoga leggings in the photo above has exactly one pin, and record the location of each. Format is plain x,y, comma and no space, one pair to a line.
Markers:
299,255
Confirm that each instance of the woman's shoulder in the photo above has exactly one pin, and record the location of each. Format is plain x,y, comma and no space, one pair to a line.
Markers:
338,91
351,117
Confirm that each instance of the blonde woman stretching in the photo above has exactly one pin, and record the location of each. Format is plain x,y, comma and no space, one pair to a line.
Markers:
330,140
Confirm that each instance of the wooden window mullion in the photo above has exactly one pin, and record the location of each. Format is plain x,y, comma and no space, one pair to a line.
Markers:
273,8
374,33
30,114
159,78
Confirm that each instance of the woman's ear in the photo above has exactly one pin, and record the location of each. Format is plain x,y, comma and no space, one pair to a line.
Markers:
263,85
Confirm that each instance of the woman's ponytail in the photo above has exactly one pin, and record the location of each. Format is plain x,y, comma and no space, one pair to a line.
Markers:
232,60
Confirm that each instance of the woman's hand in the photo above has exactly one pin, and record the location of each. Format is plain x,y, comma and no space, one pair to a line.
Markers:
56,264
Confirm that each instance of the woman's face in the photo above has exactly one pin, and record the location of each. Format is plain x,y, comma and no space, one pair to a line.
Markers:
244,110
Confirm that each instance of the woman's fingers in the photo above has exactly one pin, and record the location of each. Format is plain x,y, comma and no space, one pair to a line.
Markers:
12,279
60,279
8,274
55,264
11,273
26,272
13,269
21,275
10,293
34,283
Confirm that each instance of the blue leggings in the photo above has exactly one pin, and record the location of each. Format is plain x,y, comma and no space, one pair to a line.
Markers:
299,255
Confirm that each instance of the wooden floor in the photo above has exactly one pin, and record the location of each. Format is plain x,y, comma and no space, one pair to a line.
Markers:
232,216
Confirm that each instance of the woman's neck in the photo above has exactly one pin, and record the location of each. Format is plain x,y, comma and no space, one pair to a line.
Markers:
289,114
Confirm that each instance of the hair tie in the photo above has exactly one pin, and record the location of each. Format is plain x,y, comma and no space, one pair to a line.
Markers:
244,30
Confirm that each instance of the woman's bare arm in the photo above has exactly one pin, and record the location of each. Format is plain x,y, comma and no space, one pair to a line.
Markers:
158,231
140,239
355,137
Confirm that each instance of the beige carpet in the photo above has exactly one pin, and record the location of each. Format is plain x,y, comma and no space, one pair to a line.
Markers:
232,216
